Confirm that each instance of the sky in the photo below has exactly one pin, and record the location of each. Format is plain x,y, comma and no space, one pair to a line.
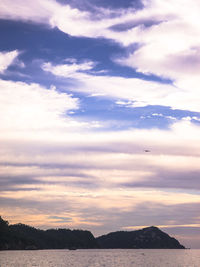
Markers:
100,115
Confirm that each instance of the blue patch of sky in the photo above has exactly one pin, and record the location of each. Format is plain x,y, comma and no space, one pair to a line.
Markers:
112,4
131,24
39,43
116,117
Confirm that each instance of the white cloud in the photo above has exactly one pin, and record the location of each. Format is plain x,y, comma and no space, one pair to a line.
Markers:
6,59
141,91
29,107
35,11
131,92
68,70
170,49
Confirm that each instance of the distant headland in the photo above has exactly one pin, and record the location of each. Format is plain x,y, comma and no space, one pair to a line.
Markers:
147,238
21,236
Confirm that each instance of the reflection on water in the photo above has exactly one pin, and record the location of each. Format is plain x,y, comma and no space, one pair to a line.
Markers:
101,258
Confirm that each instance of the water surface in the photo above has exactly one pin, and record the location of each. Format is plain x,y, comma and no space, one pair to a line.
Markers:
101,258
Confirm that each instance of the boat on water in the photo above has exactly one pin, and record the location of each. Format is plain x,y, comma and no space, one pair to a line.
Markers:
72,248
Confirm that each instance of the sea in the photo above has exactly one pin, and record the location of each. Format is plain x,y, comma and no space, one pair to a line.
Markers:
101,258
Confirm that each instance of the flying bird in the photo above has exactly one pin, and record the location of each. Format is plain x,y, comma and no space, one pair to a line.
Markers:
146,150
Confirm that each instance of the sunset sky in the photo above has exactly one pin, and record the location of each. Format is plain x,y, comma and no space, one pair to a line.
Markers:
100,115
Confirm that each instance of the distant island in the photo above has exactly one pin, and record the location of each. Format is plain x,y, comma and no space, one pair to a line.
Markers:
147,238
24,237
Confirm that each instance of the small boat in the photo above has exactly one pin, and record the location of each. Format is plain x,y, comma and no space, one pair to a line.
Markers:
72,248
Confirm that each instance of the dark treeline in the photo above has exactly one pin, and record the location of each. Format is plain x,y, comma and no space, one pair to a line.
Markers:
21,236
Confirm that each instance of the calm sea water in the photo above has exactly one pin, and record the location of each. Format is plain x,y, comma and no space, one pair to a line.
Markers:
101,258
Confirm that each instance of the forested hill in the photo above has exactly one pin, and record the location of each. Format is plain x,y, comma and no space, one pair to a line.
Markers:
150,237
20,236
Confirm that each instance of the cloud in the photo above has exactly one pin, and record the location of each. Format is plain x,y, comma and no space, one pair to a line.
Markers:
68,70
114,159
31,107
141,92
137,92
7,59
37,11
170,49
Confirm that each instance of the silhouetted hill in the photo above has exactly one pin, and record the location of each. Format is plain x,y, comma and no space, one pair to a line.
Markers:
150,237
21,236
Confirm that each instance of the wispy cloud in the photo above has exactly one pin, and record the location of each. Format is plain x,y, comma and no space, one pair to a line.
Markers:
68,70
6,59
137,92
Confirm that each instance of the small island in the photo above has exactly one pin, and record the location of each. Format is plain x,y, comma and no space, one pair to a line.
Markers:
147,238
24,237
